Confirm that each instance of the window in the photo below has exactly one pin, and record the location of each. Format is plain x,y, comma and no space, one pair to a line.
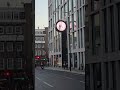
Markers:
10,63
9,46
18,30
1,63
105,30
16,15
95,4
1,30
36,45
119,23
1,15
1,46
112,29
74,5
8,15
39,45
19,46
9,30
70,5
95,31
22,15
18,63
75,40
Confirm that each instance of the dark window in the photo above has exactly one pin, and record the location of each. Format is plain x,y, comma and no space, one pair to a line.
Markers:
95,4
114,75
22,15
97,76
1,46
16,15
112,29
107,75
19,46
1,15
105,30
87,77
95,31
119,23
1,30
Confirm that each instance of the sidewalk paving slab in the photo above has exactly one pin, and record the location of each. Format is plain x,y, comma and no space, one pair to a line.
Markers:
66,70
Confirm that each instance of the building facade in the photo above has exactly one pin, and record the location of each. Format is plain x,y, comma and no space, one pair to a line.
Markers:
16,37
41,47
102,38
73,12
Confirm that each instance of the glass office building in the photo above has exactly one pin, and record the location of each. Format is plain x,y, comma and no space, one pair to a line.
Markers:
73,12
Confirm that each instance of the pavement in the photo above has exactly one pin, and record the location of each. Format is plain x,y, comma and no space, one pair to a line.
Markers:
66,70
49,79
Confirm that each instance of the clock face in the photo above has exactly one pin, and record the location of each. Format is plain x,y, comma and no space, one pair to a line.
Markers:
61,25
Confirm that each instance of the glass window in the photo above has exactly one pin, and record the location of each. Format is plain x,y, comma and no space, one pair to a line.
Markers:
75,21
74,5
1,30
18,30
1,63
119,22
81,35
96,31
1,15
8,15
10,63
22,15
19,46
95,4
9,46
16,15
9,30
1,46
75,40
18,63
70,5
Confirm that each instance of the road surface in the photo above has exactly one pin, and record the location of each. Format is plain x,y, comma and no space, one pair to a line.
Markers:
58,80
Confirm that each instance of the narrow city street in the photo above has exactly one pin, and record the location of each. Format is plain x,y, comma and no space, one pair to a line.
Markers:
58,80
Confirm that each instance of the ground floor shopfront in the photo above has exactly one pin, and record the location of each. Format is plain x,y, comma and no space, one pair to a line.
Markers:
77,60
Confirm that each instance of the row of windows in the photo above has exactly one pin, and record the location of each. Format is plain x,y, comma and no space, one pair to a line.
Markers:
9,46
109,25
11,29
9,15
38,32
11,63
39,52
39,45
39,38
103,73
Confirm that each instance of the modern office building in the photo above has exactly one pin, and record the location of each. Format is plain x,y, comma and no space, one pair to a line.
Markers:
102,38
73,12
41,46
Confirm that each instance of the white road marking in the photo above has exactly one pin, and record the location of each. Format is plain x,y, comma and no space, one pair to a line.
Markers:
44,82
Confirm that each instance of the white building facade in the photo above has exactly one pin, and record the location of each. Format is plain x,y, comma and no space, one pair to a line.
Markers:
73,12
39,42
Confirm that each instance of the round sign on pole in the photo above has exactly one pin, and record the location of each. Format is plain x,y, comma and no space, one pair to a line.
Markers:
61,25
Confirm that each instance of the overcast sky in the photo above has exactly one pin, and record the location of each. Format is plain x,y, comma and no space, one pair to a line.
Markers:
41,13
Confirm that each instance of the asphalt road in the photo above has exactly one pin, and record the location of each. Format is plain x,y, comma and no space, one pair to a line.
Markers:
58,80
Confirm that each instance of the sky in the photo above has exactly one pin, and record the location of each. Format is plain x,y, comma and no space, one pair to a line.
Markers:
41,13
